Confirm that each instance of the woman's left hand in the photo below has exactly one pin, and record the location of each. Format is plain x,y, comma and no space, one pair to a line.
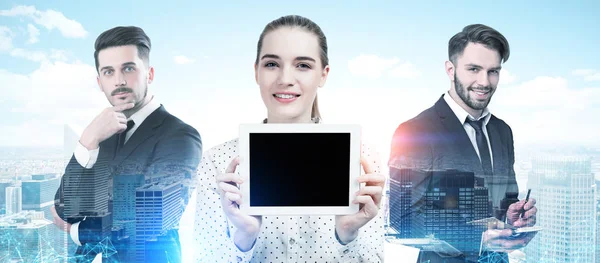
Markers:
369,198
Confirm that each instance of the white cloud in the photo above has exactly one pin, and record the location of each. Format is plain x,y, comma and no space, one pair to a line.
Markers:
28,134
548,110
582,72
592,77
57,93
58,55
18,11
49,19
370,65
548,92
506,77
405,71
33,34
39,56
183,60
5,38
587,74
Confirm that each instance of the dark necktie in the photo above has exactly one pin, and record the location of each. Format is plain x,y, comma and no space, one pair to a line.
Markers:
482,145
122,135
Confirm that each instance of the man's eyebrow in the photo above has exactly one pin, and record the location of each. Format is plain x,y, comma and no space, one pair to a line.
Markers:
106,67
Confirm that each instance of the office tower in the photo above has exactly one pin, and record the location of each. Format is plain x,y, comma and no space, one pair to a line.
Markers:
38,193
3,185
13,200
481,203
565,193
597,198
27,237
86,194
400,199
85,191
157,211
86,197
124,188
124,209
438,204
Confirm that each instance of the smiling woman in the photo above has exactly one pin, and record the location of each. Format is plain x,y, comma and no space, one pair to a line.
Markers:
291,65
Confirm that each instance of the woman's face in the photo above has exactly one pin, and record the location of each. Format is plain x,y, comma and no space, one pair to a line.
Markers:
288,72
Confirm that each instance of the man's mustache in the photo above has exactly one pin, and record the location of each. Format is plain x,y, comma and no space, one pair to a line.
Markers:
120,90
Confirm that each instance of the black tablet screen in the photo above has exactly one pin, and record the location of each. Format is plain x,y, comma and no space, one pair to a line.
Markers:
299,169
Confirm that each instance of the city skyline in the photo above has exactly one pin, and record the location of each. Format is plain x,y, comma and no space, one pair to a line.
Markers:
381,65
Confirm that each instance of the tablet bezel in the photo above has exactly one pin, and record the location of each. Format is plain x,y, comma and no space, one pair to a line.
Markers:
355,167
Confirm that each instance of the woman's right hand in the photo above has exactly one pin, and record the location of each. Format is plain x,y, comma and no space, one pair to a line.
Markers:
248,227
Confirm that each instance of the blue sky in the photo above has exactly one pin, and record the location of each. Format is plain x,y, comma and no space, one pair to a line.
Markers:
386,63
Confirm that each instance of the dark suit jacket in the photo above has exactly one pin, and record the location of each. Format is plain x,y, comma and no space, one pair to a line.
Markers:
164,150
436,140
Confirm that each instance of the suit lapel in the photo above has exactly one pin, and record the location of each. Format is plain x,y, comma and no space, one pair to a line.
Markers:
146,130
458,136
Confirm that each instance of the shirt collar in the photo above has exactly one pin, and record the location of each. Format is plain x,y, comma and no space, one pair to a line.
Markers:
462,114
145,111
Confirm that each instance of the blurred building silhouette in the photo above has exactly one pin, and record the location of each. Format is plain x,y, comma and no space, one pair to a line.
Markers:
14,200
124,211
28,237
565,191
157,211
438,204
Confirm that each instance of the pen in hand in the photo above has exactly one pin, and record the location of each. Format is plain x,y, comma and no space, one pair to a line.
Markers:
526,200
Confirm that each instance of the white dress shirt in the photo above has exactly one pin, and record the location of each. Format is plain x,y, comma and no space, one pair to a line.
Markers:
282,238
462,115
87,158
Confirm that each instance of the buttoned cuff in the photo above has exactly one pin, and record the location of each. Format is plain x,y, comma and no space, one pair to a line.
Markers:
349,252
86,158
74,233
241,256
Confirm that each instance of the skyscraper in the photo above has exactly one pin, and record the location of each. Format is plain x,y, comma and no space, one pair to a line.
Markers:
565,191
157,210
124,210
597,222
124,188
27,237
86,197
438,204
87,194
14,200
38,193
3,185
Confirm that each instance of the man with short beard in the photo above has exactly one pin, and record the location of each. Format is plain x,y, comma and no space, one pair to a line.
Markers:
135,145
460,133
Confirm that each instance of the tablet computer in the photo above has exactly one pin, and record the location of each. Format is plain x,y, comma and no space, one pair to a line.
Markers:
299,169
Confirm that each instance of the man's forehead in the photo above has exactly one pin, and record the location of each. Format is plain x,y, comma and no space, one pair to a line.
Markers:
113,56
480,55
